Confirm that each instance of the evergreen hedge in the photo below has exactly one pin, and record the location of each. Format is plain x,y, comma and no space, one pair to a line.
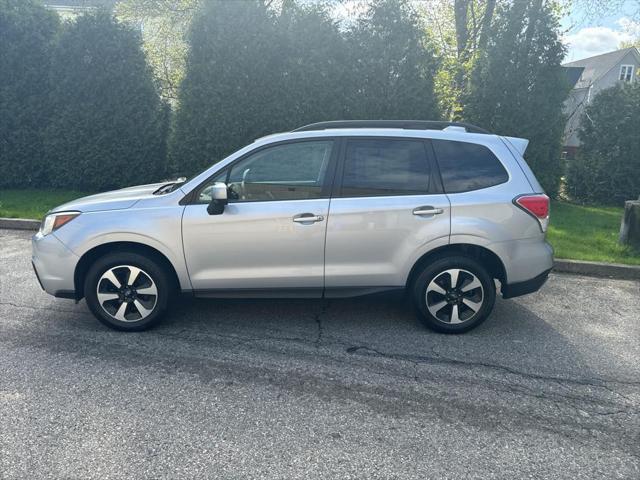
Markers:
252,72
606,169
518,86
392,65
109,128
27,32
80,108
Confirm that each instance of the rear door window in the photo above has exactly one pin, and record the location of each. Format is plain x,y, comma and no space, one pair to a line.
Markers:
467,166
381,167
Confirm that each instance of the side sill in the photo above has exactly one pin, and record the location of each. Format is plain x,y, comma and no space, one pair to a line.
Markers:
259,293
332,292
348,292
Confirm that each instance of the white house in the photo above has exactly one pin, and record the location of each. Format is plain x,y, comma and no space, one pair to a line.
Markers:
70,9
589,76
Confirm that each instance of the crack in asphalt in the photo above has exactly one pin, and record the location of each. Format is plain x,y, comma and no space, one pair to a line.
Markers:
575,416
423,359
571,400
318,318
416,360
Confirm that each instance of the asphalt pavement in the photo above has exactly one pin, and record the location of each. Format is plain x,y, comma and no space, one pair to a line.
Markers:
548,387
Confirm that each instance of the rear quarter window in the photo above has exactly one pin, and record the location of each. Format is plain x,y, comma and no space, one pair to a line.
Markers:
468,166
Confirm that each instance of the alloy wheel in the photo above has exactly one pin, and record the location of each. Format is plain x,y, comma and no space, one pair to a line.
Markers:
127,293
454,296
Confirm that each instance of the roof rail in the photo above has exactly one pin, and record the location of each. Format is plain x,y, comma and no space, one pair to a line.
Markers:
404,124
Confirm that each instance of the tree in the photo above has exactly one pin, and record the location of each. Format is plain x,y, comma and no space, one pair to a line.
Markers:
607,166
315,69
165,25
517,87
230,83
27,31
252,71
461,30
110,125
393,64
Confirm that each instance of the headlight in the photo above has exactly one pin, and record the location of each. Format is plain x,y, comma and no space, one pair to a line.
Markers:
54,221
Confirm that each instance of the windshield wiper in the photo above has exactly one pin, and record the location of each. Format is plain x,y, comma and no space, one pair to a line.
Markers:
170,187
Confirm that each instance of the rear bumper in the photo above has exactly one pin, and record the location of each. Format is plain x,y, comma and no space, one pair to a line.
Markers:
523,288
54,265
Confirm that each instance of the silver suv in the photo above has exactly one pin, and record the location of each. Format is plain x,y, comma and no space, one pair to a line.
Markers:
333,209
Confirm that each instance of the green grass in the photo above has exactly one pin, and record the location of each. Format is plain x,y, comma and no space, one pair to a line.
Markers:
33,203
576,232
588,233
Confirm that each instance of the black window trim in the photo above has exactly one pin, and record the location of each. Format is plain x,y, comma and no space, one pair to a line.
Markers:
497,157
325,192
435,181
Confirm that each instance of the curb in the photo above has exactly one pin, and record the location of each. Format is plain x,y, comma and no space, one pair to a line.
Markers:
577,267
597,269
19,223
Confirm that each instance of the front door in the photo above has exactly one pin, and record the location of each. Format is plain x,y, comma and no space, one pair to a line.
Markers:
271,235
387,210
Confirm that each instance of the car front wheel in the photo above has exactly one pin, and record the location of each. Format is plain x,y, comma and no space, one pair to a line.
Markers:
454,294
127,291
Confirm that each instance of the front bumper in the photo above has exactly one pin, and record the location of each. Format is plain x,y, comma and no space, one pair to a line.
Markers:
54,265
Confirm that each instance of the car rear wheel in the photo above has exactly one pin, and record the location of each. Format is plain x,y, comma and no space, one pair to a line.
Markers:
454,294
127,291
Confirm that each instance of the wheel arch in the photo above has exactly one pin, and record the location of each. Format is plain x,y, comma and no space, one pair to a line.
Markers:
90,256
489,259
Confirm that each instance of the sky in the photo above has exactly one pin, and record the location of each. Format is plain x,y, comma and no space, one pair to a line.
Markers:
588,34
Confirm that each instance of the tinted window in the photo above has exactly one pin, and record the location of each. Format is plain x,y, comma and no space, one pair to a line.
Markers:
376,167
467,166
292,171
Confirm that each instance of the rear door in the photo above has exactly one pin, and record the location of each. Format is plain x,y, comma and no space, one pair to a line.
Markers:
386,210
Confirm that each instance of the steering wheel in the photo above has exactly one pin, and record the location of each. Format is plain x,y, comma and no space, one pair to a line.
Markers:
232,192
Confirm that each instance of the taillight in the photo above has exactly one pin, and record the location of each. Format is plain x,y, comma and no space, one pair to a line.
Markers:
537,206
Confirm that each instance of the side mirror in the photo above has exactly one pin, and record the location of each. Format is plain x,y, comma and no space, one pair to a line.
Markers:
218,199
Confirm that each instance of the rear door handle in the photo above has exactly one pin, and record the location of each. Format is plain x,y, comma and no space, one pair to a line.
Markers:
308,218
427,210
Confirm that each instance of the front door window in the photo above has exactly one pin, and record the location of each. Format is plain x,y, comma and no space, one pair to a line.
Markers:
294,171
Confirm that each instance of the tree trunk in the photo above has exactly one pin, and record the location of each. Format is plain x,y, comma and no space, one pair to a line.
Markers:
630,227
462,27
486,24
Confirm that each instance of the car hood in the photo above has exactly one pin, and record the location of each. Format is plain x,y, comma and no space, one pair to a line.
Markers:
114,200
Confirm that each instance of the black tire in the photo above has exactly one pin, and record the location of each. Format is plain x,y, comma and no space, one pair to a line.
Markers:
454,297
151,270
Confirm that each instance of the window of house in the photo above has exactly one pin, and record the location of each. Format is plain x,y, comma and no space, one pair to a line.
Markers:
381,167
626,73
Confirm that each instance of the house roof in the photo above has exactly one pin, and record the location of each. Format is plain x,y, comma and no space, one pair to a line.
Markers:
596,67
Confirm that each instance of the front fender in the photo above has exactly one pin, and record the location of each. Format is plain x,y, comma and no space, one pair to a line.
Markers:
158,228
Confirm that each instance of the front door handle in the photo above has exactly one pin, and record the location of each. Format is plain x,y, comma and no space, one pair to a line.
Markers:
427,210
308,218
